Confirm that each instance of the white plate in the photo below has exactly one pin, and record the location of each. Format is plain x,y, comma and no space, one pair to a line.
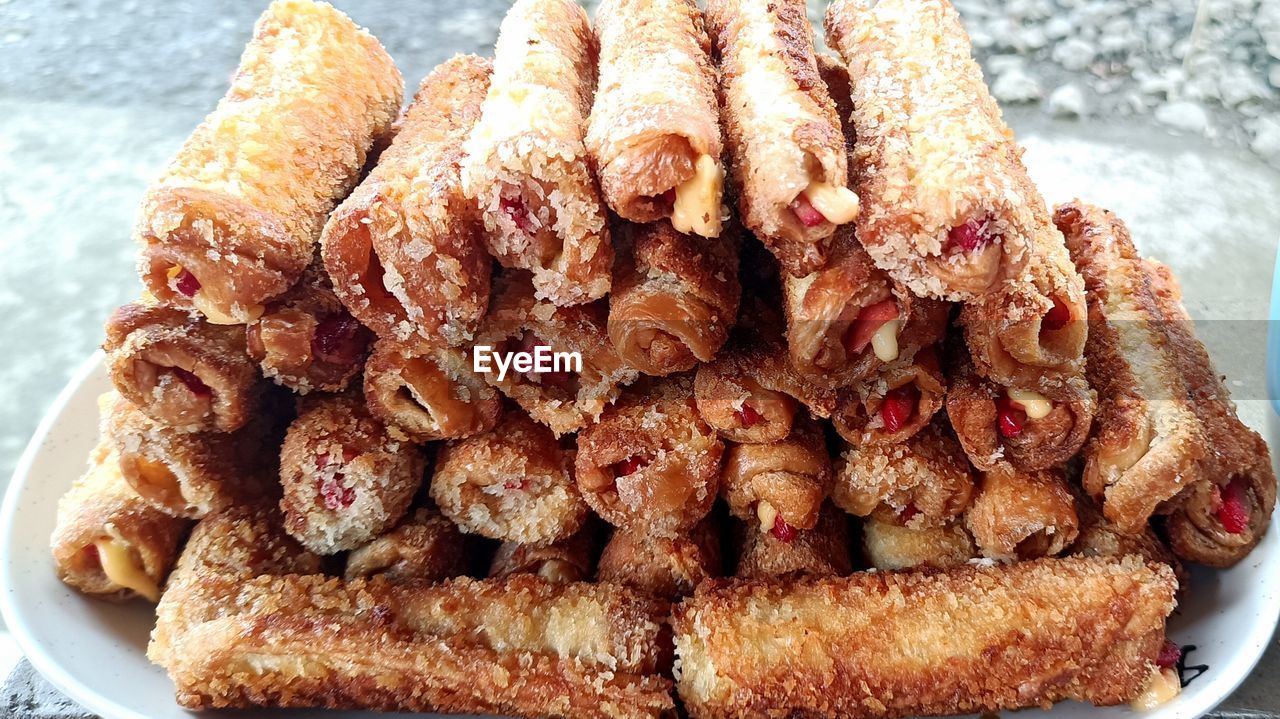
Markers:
95,652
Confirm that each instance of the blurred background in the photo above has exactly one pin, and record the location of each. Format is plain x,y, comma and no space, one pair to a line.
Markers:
1167,111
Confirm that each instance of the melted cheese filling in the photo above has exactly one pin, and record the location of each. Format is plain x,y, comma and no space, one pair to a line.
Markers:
120,568
1036,405
838,205
1161,688
767,515
697,205
884,343
557,571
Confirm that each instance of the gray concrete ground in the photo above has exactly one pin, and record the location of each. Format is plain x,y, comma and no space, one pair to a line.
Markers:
96,94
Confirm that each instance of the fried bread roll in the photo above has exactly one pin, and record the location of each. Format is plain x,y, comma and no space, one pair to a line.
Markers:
948,207
650,464
404,248
665,567
518,646
820,551
512,483
654,131
243,542
306,340
526,167
790,162
190,474
885,644
1100,538
1022,515
1028,429
675,297
1224,515
110,542
567,560
234,218
1030,331
563,399
921,482
181,370
895,403
427,394
889,545
1149,442
784,483
424,547
345,479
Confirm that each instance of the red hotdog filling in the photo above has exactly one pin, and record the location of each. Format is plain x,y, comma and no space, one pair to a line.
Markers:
783,531
1010,418
747,416
338,339
1233,510
898,407
1057,317
192,382
186,284
869,320
333,492
972,235
806,212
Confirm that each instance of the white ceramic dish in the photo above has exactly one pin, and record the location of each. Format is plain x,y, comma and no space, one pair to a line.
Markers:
94,651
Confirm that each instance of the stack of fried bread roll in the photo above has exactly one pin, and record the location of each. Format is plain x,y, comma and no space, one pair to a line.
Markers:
659,363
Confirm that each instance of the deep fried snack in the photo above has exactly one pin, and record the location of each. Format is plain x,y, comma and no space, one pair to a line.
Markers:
654,131
922,482
1224,515
110,542
893,404
1149,442
820,551
234,219
306,340
512,483
675,297
562,399
243,542
526,167
784,483
190,474
889,644
181,370
1100,538
889,545
1022,515
518,646
790,161
404,249
1030,331
948,207
561,562
345,479
423,394
665,567
650,464
425,546
1024,427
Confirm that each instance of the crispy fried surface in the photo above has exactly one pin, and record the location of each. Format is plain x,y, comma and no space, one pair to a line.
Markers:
571,559
858,416
792,474
665,567
425,546
890,545
972,639
245,541
1022,515
820,551
428,394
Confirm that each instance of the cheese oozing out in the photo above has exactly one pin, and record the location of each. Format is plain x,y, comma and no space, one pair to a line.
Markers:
1161,688
697,206
1036,405
767,515
884,343
839,205
118,565
557,571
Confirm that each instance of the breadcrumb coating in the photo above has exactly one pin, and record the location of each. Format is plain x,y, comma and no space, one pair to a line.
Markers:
889,545
665,567
819,551
1022,515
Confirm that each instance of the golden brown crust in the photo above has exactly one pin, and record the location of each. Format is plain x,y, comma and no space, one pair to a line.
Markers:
404,248
1100,538
1022,515
655,111
665,567
513,483
887,644
650,464
1149,441
527,169
518,646
345,479
781,126
428,394
863,412
424,547
922,482
889,545
820,551
932,151
793,475
567,560
181,370
243,542
564,401
241,205
675,296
